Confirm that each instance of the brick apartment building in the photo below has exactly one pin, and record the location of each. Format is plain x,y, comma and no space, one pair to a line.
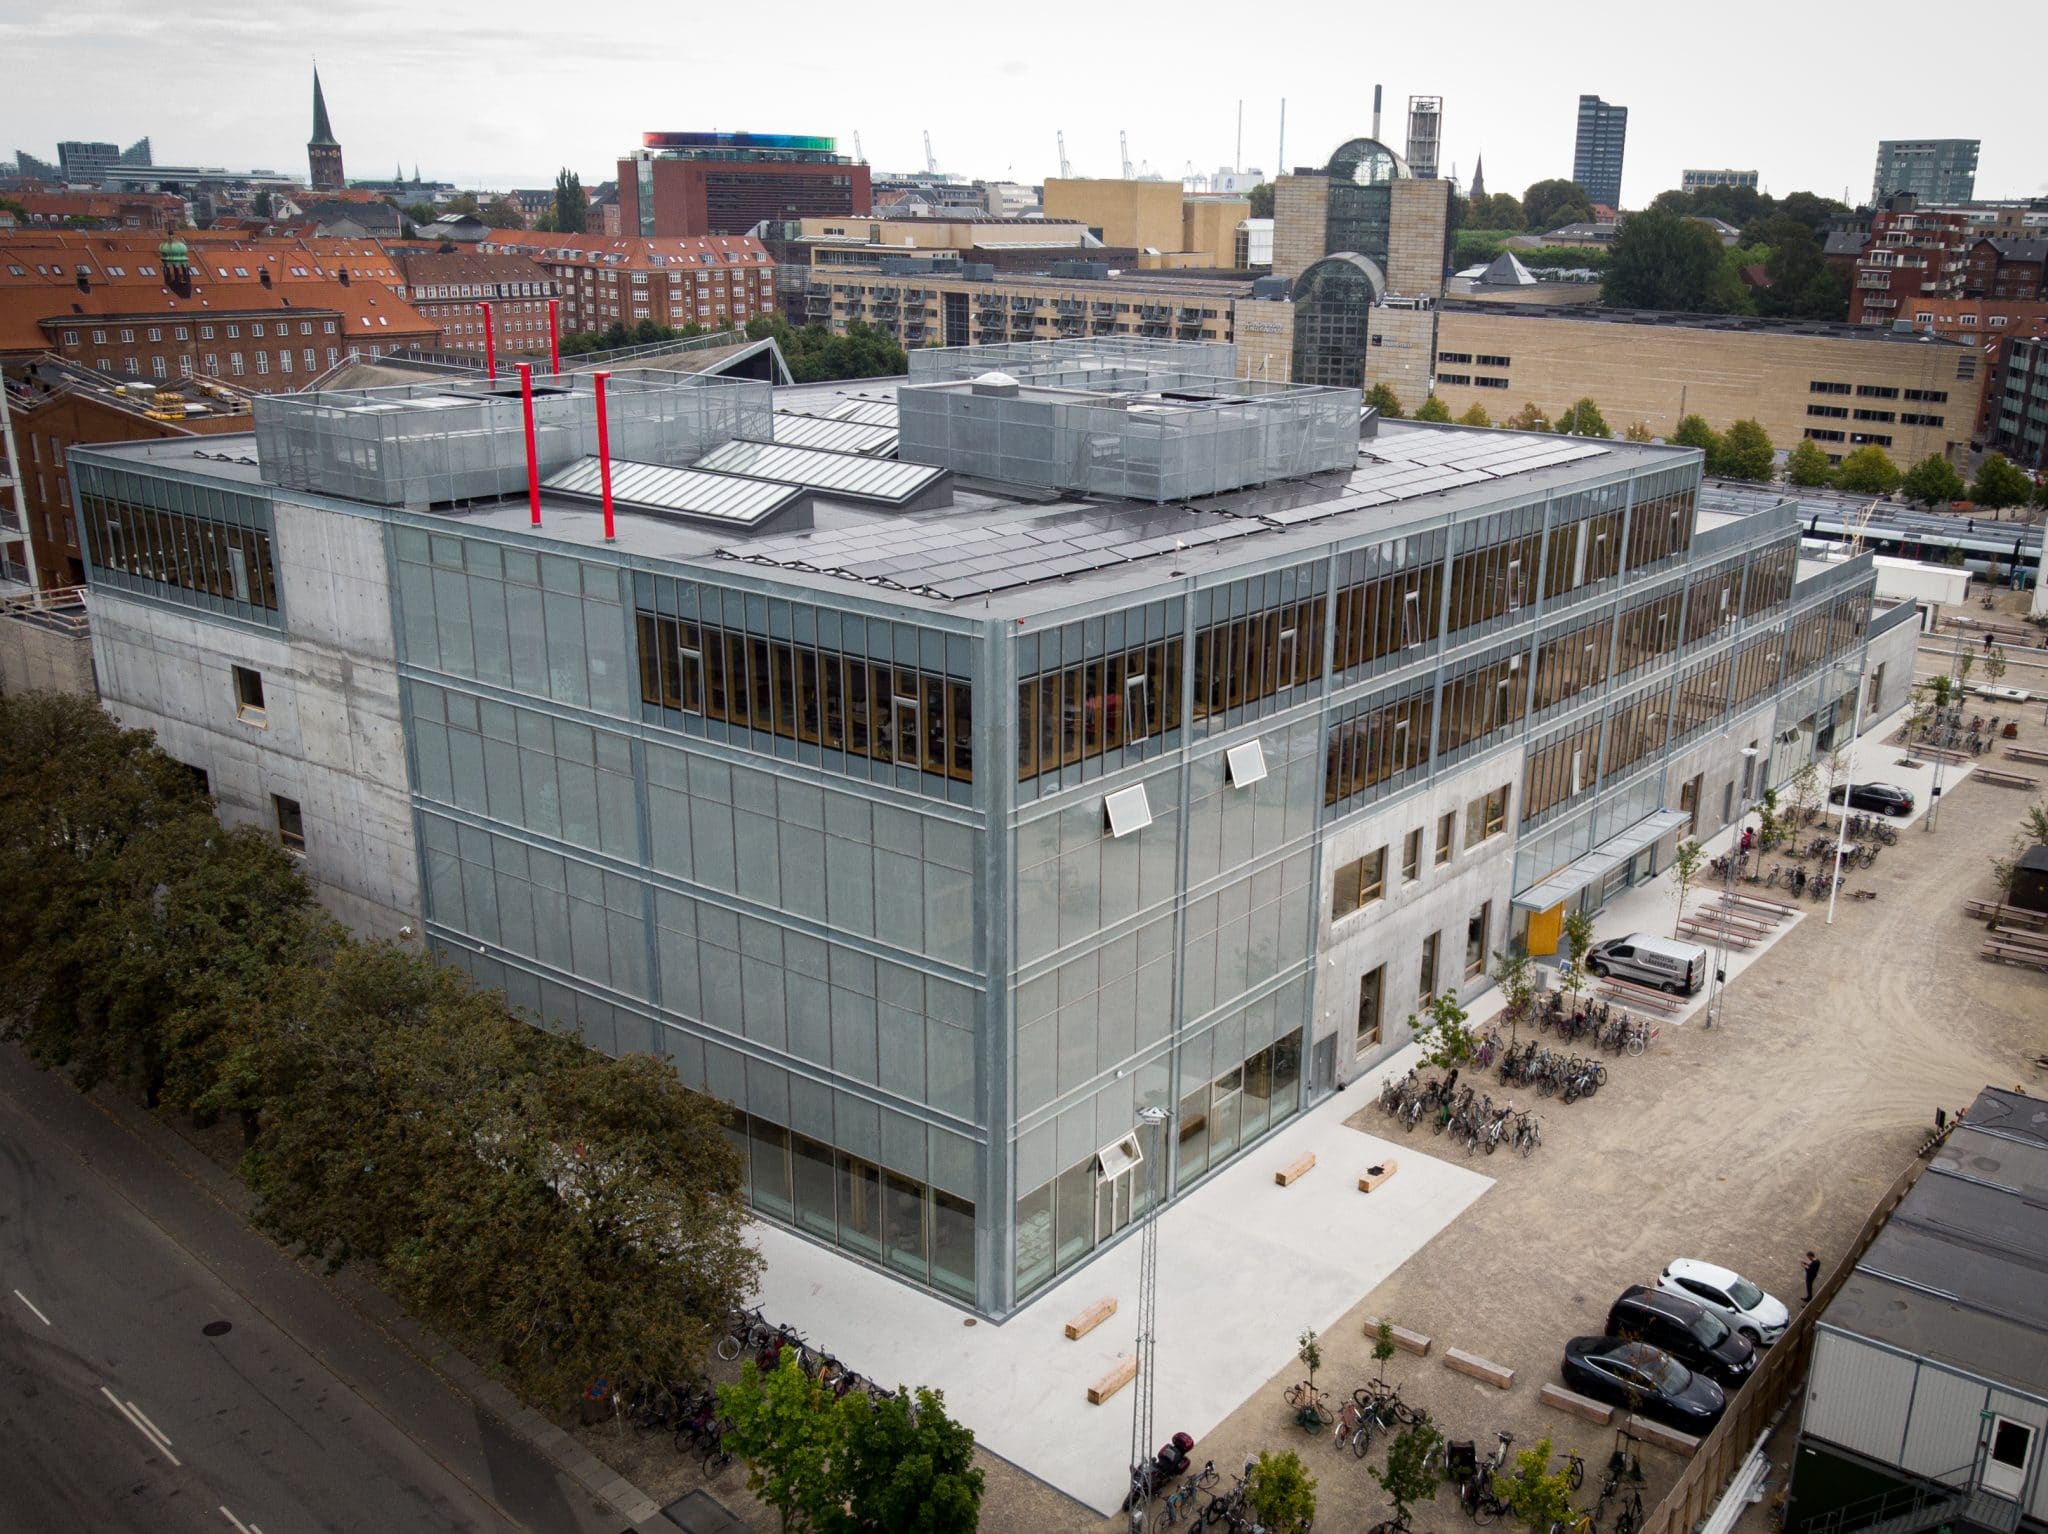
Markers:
263,315
1998,267
1913,253
56,407
450,288
158,211
709,280
684,184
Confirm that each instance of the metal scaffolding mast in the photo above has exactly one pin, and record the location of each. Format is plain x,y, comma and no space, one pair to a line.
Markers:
1143,1470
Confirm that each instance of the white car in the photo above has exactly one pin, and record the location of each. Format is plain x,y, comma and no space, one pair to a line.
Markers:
1729,1295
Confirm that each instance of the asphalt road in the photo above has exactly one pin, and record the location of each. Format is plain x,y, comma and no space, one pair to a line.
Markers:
163,1369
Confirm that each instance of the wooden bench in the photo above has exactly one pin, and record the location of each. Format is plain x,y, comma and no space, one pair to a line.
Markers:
2000,779
1408,1341
1640,995
2026,754
1497,1375
1121,1374
1736,900
1374,1175
1571,1401
2006,916
2005,953
1752,922
1295,1170
1703,926
1664,1437
1091,1318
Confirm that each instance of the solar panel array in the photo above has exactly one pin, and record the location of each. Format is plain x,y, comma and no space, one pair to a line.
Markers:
940,557
658,487
873,479
875,441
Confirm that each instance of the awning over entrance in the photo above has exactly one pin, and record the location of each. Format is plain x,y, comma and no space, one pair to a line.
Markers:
1600,862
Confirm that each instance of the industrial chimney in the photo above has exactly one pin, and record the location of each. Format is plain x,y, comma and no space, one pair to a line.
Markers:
1376,113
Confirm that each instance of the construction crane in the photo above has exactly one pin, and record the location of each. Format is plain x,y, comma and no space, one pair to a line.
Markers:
931,166
1123,143
1065,169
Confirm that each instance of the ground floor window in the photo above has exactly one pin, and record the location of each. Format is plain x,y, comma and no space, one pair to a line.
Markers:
1372,991
914,1229
1475,941
1426,982
1237,1106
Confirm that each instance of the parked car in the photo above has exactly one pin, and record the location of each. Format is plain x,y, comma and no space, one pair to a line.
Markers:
1680,968
1685,1329
1728,1295
1643,1379
1884,798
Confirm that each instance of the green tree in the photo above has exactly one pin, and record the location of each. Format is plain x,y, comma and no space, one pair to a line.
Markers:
1811,209
1660,261
1280,1491
906,1466
1746,453
1932,481
1515,974
1413,1470
1639,431
260,204
503,214
816,355
571,206
1805,786
1439,1031
1693,431
1554,203
2041,492
1528,418
1383,1345
1686,861
1383,399
1261,199
1499,210
1310,1353
784,1426
420,212
2034,826
1538,1496
1578,941
1807,466
1433,409
1727,292
1868,470
1475,415
1998,484
1583,419
2005,872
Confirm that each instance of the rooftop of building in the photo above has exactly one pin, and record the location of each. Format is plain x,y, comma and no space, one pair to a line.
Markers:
188,404
424,264
1739,323
1959,1274
639,253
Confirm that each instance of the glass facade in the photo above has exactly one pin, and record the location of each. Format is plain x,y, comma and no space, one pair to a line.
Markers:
193,545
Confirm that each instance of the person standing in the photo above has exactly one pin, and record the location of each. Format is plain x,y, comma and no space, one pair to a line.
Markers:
1812,1271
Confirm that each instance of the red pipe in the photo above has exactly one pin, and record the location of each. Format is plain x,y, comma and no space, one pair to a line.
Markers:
490,345
555,337
532,447
604,455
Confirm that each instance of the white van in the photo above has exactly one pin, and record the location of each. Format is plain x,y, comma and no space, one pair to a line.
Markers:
1680,968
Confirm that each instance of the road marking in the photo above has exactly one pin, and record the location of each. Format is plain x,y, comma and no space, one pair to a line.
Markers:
31,1304
245,1528
143,1425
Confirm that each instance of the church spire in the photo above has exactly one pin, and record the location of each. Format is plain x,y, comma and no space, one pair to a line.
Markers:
323,134
1479,178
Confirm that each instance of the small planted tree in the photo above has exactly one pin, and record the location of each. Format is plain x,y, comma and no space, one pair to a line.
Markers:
1769,828
2035,826
1433,409
1440,1032
1385,401
2005,870
1686,862
1310,1353
1538,1496
1413,1471
1515,974
1280,1491
1578,941
1994,663
1383,1345
782,1426
1805,792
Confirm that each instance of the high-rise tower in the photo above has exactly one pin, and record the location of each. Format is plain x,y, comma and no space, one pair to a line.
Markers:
323,155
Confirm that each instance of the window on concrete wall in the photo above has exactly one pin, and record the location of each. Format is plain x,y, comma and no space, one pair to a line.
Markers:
1475,941
1446,836
1411,856
249,695
1372,992
291,825
1359,883
1425,989
1486,816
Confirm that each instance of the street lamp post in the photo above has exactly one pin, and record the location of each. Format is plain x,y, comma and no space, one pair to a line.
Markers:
1848,787
1718,993
1955,695
1148,1305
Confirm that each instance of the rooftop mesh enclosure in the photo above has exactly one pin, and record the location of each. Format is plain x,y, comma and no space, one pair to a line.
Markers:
430,444
1197,437
1098,362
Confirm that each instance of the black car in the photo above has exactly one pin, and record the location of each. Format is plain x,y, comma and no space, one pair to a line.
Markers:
1690,1333
1643,1379
1884,798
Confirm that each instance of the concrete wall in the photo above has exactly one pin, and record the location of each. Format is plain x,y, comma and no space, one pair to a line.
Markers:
1656,373
1264,332
1301,212
1415,238
1888,692
35,657
329,735
1209,227
1401,348
1138,213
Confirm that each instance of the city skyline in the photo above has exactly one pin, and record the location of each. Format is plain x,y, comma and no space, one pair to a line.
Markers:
401,90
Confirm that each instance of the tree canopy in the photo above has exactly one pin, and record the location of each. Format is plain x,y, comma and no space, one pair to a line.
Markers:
1933,481
1432,409
1869,470
1807,466
1660,261
1475,415
1261,199
1998,484
504,213
1383,399
816,355
1499,210
571,206
1550,204
1746,452
1583,419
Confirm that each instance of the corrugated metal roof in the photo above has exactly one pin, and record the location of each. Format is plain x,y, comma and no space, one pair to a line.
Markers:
877,441
688,492
870,412
874,479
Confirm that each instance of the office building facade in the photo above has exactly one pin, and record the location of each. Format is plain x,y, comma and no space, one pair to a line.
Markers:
1936,170
683,185
2017,413
1700,180
1597,154
942,830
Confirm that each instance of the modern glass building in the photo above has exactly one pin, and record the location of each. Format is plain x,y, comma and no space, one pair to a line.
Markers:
1597,155
1939,171
941,825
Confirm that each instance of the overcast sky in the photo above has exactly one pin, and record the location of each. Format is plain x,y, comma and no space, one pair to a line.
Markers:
495,93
